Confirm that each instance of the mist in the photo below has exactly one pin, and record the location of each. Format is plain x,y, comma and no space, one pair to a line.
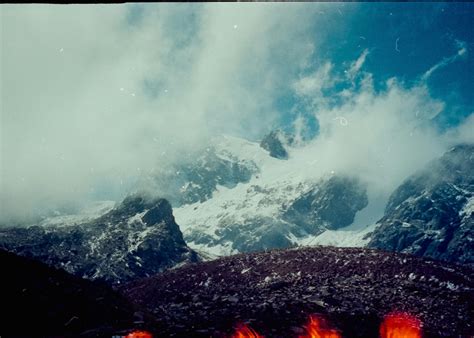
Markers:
95,97
381,136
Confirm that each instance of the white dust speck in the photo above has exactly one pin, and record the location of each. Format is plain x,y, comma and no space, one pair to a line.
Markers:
342,120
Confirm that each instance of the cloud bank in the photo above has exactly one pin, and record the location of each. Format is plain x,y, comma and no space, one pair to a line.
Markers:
95,96
379,135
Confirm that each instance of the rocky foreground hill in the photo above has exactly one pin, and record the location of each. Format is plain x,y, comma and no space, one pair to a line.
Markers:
274,292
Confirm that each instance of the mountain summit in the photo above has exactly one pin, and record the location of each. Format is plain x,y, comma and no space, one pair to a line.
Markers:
432,213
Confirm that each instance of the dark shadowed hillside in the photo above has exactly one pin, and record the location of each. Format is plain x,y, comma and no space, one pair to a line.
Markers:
39,301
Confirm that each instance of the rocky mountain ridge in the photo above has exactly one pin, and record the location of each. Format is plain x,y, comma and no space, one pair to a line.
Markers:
138,238
431,214
256,202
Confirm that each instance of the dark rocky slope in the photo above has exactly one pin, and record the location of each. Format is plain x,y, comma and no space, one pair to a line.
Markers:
199,175
276,291
274,142
138,238
432,213
332,205
40,301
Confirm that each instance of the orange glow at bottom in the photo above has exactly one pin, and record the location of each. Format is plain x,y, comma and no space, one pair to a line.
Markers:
318,327
244,331
400,325
139,334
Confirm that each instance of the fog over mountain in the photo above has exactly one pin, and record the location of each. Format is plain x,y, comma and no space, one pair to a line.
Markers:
99,101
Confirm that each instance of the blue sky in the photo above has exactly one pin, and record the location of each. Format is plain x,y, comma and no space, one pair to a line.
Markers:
404,40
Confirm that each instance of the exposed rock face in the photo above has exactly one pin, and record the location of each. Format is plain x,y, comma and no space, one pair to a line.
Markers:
276,217
274,143
428,215
256,234
276,291
208,171
40,301
250,235
197,179
432,213
330,205
136,239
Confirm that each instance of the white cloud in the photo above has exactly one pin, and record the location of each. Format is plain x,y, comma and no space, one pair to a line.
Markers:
462,50
464,133
312,84
90,101
380,136
383,139
357,65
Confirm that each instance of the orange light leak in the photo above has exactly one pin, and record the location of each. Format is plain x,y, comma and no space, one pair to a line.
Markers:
139,334
318,327
244,331
400,325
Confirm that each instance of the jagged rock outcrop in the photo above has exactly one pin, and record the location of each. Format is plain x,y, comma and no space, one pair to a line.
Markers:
196,179
136,239
330,205
205,173
432,213
274,142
